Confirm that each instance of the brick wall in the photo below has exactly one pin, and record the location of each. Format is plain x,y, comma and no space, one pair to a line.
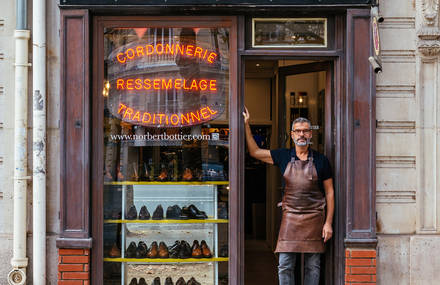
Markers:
360,266
73,267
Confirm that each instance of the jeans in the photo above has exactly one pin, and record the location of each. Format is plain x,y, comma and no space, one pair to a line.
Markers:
286,268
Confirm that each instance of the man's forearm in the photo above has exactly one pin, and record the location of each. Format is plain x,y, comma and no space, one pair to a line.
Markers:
330,199
252,145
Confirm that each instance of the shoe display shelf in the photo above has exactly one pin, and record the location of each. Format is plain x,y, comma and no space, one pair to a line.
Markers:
202,194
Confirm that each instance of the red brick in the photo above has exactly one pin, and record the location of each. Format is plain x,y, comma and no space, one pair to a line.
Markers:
86,251
70,267
363,270
71,251
358,261
86,282
347,269
75,259
76,275
374,262
86,267
363,253
347,253
357,278
373,278
59,259
59,275
70,282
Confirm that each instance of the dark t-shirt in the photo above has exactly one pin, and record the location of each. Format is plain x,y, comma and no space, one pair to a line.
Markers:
282,156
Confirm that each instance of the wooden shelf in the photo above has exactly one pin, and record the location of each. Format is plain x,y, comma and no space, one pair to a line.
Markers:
190,221
167,183
166,260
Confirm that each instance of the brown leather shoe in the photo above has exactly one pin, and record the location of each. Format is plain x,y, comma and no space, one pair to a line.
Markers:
181,281
153,251
163,250
196,251
114,252
187,174
163,175
206,252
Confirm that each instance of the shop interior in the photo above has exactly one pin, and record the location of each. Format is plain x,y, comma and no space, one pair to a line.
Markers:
304,95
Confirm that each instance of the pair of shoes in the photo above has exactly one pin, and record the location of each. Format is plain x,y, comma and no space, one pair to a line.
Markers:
141,282
160,251
144,214
193,213
187,174
180,249
175,213
142,251
114,251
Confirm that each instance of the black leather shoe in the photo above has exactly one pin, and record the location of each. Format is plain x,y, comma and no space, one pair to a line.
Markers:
142,282
174,212
193,213
158,213
169,281
132,213
192,281
174,250
185,250
144,214
141,250
181,281
133,282
131,250
156,281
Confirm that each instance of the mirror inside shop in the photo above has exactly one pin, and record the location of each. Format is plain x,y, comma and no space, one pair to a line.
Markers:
166,155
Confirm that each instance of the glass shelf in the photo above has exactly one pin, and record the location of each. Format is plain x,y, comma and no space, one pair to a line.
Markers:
167,183
166,260
190,221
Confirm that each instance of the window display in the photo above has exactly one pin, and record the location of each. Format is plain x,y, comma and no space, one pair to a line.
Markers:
166,149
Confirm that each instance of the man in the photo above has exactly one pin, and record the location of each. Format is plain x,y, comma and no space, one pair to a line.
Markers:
308,195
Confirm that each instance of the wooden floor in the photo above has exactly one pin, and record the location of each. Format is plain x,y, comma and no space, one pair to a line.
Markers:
260,264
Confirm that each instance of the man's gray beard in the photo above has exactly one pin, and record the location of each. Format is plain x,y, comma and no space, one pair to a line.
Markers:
301,143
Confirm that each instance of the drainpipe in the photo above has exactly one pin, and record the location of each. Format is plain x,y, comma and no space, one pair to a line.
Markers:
19,260
39,140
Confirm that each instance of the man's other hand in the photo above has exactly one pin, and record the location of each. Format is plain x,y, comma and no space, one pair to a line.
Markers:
246,115
327,232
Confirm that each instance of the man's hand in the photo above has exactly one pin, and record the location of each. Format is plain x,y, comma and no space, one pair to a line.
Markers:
327,232
246,115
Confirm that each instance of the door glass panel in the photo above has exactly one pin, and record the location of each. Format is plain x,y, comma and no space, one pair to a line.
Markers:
166,153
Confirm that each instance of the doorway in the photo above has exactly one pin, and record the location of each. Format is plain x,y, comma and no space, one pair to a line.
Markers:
276,93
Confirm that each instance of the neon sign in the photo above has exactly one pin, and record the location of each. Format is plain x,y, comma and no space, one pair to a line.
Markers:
166,84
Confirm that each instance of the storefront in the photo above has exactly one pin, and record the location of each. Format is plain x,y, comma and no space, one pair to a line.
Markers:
153,154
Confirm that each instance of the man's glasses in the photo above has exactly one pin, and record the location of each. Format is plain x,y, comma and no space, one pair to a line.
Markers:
306,132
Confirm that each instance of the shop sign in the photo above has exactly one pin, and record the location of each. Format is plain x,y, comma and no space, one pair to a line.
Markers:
217,2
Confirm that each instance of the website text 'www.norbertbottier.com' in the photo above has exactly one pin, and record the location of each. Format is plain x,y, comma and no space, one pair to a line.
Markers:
165,136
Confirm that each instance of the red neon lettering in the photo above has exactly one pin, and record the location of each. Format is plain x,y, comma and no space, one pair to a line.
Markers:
194,85
120,84
174,122
166,119
211,111
198,51
137,116
203,84
120,60
189,50
132,53
160,117
193,116
121,106
179,48
204,113
161,49
167,85
139,50
156,84
211,57
184,85
213,85
143,118
154,118
128,111
182,118
204,55
150,49
129,84
168,49
177,84
147,84
138,83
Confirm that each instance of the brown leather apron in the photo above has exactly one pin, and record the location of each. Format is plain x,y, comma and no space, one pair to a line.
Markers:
303,209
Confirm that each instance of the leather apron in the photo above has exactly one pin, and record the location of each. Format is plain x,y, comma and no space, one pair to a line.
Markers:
303,208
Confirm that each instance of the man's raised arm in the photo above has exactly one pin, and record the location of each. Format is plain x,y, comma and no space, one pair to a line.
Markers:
254,150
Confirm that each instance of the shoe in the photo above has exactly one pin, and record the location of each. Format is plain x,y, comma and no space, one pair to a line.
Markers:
131,250
163,250
158,213
169,281
185,250
153,251
196,251
163,175
114,252
141,250
192,281
144,214
206,252
142,282
187,174
132,213
181,281
193,213
133,282
156,281
174,250
174,213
